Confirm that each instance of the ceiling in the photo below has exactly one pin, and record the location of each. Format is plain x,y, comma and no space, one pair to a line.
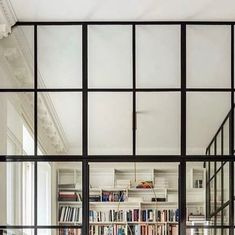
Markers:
74,10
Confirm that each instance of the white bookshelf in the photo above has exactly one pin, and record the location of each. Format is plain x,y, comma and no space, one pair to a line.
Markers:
106,179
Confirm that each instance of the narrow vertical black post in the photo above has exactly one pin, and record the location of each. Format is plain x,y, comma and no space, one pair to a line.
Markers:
134,90
231,139
35,128
182,173
215,183
85,167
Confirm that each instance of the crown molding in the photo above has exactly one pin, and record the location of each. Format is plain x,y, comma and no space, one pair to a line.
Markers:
7,18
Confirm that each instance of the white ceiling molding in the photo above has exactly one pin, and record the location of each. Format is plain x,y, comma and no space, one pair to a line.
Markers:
7,18
16,61
51,124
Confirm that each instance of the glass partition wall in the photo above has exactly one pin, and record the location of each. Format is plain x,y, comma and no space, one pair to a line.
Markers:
117,128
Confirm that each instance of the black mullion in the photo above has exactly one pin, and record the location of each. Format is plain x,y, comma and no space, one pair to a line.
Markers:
85,170
231,139
231,171
165,22
215,190
134,91
222,196
35,128
182,188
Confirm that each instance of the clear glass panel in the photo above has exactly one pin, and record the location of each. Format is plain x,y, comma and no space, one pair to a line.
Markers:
212,195
16,58
225,214
218,188
205,113
60,123
17,193
158,123
110,56
60,56
110,123
226,181
17,122
59,193
130,196
219,144
226,138
208,56
196,192
158,56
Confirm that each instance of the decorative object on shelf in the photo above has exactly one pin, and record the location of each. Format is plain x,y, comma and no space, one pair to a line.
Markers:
145,184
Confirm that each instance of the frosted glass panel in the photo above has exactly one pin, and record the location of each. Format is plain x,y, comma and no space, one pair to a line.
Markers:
158,123
60,56
208,56
16,58
158,56
110,56
110,123
60,123
205,113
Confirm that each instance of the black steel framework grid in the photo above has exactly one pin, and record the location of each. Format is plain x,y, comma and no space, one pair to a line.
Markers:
85,158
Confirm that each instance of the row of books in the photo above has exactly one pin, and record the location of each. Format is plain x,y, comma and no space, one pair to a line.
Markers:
70,214
107,230
152,229
69,196
134,230
134,215
114,216
155,215
70,231
113,196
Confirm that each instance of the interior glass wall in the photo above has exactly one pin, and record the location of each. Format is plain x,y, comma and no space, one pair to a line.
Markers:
117,128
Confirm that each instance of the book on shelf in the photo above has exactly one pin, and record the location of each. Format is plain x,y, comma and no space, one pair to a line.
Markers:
70,231
152,229
69,196
155,215
70,214
94,197
113,196
107,230
66,186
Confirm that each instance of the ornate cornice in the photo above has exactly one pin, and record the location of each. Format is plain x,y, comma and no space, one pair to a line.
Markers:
7,18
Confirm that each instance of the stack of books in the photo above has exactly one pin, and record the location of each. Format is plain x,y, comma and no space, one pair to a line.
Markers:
196,218
69,196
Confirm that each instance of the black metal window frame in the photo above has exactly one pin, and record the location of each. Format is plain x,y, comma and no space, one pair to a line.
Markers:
85,158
